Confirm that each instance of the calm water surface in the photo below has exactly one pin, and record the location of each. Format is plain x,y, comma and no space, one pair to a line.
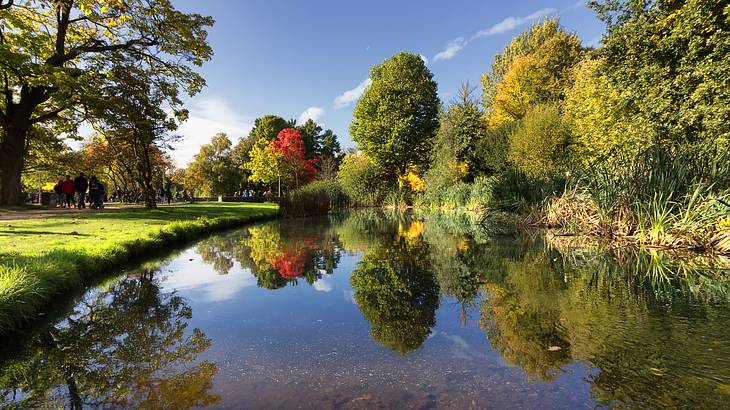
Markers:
369,310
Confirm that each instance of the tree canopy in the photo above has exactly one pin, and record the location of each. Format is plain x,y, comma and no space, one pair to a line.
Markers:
396,118
55,55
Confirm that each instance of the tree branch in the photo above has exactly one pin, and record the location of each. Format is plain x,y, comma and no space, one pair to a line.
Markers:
59,59
7,5
47,116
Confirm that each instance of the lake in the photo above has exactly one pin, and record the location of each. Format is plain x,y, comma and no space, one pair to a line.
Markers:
385,310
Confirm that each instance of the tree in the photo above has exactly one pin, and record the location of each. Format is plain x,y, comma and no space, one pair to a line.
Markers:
215,163
540,143
604,126
330,147
266,128
292,157
312,137
532,69
397,116
263,164
129,113
453,154
54,53
670,59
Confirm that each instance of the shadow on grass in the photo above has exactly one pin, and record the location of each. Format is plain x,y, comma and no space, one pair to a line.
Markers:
11,232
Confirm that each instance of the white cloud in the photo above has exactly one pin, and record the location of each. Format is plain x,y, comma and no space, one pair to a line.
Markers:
425,60
350,96
323,284
451,49
508,24
311,113
208,117
192,275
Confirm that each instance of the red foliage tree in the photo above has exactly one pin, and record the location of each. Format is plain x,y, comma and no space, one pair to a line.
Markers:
289,145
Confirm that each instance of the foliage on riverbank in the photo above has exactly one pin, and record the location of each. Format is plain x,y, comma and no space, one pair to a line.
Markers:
43,258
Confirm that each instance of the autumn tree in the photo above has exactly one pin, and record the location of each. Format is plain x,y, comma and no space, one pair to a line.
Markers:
292,156
533,68
397,117
263,164
54,55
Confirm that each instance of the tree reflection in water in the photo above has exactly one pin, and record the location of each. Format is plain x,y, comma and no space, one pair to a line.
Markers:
125,346
651,329
277,254
397,295
645,322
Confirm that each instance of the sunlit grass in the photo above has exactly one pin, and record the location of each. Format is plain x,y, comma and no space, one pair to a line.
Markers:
44,257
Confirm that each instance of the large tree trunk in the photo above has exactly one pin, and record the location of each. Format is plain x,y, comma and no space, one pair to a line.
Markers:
12,151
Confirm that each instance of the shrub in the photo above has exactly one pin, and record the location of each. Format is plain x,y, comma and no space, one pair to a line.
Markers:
316,198
361,181
540,143
482,192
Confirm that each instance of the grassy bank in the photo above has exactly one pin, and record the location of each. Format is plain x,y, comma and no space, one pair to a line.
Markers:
41,258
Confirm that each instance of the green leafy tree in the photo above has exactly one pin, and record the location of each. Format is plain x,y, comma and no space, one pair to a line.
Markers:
266,128
264,164
312,138
53,54
129,113
397,116
215,161
671,58
540,144
330,147
397,295
453,156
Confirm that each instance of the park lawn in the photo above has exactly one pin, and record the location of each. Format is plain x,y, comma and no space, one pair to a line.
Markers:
42,258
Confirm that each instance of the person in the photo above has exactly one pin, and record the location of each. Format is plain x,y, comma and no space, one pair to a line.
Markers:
93,191
168,192
81,184
68,190
59,193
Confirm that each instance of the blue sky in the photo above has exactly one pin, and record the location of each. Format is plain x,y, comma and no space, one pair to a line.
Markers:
303,59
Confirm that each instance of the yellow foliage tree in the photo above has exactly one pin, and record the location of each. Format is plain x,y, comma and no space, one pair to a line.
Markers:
603,126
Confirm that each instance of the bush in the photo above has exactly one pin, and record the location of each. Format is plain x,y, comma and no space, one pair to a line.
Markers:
482,192
316,198
361,181
540,144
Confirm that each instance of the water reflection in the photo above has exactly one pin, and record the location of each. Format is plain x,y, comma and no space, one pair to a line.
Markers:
277,254
126,345
642,328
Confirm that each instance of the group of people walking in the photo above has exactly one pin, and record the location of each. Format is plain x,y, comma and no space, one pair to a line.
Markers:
72,193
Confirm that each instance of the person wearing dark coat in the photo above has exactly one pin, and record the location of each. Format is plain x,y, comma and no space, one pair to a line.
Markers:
81,184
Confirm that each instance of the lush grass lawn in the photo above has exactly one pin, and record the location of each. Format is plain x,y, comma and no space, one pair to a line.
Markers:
41,258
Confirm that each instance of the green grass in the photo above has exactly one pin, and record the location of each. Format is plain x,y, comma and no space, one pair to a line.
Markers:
42,258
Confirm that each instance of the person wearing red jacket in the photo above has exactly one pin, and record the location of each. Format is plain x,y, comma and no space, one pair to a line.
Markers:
68,190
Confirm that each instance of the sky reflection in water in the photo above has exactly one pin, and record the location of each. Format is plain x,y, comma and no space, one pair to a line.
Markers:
367,310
